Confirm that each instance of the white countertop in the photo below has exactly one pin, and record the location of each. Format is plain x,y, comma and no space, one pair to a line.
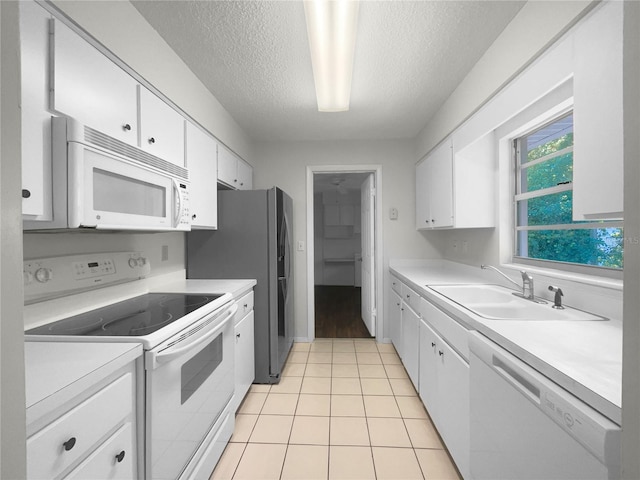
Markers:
584,357
235,287
58,371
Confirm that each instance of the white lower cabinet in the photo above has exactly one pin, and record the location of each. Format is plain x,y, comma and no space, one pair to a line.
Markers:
444,389
395,327
410,341
94,436
244,349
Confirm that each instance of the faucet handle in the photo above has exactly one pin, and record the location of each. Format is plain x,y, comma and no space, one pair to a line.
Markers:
526,277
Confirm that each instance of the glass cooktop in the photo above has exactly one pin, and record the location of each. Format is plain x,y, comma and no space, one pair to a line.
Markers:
134,317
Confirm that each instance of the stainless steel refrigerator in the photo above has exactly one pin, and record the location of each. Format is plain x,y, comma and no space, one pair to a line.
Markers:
253,240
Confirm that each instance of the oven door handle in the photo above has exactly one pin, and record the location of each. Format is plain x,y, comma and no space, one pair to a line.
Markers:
156,358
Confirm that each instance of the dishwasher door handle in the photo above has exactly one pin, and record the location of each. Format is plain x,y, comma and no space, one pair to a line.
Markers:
516,380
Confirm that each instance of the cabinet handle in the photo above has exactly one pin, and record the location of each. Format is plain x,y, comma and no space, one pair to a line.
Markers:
246,305
120,456
440,352
433,221
126,127
69,444
237,335
235,180
25,193
193,217
152,140
433,344
408,296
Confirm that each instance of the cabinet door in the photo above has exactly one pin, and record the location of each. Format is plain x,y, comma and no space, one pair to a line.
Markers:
36,119
410,342
453,405
202,162
428,372
114,459
395,327
91,88
161,129
347,215
245,175
597,115
244,357
227,167
441,186
332,215
423,207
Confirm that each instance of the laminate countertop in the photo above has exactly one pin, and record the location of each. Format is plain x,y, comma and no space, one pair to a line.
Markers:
584,357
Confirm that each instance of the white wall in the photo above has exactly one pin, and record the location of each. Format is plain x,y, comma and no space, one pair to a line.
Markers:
284,165
12,393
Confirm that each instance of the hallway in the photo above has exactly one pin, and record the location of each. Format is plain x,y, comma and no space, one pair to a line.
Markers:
338,312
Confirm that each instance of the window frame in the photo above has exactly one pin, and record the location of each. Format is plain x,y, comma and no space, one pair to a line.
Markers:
517,195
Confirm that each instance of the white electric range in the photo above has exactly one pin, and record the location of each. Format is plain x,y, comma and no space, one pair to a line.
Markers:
188,354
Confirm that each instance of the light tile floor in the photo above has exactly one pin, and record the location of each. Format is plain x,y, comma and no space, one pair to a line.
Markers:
344,409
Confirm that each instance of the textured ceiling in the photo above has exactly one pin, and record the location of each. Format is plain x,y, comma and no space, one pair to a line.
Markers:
254,57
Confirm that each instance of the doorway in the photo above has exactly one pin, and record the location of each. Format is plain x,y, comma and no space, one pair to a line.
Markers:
343,261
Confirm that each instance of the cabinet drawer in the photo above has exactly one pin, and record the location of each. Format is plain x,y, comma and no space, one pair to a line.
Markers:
396,285
245,305
451,331
114,459
80,428
411,298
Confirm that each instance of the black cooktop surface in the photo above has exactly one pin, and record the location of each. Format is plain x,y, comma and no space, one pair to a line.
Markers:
134,317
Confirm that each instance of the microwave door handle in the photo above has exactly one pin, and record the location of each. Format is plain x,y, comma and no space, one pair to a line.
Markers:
177,203
170,353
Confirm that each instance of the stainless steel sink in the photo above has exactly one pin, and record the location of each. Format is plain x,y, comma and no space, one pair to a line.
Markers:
499,303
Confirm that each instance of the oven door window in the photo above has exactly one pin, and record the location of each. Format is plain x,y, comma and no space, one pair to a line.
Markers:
197,370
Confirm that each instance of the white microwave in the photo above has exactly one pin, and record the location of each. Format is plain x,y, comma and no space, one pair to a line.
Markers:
102,183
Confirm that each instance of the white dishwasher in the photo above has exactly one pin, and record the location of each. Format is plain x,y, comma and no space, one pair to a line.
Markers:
524,426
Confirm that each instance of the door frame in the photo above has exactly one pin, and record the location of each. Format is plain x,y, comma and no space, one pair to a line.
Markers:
376,170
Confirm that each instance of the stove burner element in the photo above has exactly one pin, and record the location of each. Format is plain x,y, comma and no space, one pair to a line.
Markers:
135,317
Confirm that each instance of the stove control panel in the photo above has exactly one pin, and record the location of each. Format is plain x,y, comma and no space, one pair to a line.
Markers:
56,276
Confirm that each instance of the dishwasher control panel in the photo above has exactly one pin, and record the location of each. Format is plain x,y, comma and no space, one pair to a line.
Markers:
46,278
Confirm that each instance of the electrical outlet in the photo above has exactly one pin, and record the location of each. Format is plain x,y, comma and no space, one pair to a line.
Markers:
393,213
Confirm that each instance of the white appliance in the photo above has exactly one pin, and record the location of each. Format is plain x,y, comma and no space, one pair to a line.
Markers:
102,183
524,426
188,360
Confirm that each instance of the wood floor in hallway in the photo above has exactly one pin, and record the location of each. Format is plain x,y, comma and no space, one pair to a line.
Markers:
338,312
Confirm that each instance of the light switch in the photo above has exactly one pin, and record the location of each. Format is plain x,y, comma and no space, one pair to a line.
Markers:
393,213
301,245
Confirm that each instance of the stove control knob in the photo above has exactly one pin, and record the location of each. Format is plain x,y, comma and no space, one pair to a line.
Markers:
43,275
142,261
133,263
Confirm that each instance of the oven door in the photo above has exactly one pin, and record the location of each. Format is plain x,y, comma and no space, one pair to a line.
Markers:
189,382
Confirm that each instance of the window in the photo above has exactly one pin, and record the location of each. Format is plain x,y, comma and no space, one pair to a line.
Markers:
545,229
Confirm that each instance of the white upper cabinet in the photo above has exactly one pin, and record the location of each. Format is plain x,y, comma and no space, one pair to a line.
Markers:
434,188
455,188
202,162
89,87
598,122
233,171
36,119
161,128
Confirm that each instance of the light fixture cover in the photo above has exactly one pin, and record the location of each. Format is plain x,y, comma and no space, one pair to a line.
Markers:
331,26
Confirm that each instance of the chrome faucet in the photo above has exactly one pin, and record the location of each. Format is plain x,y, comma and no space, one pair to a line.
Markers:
527,283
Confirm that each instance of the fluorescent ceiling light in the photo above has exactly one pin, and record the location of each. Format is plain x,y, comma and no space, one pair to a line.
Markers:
331,26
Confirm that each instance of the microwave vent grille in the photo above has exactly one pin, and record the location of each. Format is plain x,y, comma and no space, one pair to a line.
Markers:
101,140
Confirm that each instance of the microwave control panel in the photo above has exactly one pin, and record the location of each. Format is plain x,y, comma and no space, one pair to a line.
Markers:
46,278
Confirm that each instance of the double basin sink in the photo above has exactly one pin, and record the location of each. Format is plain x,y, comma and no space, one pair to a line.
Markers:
494,302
